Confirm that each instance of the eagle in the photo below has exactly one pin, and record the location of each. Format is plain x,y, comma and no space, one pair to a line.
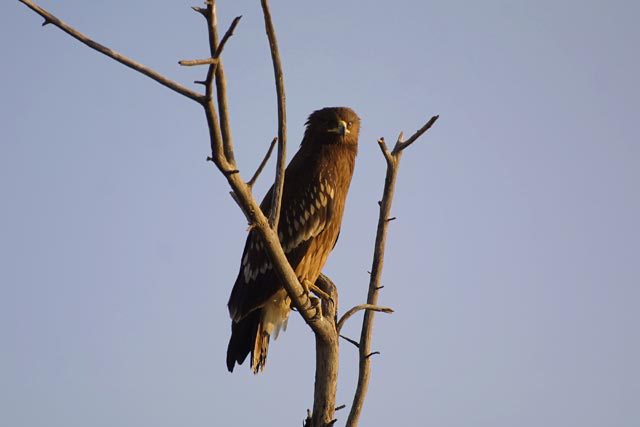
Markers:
315,190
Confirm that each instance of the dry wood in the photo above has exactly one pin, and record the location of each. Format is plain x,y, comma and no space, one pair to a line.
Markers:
278,186
264,161
192,62
51,19
356,309
364,348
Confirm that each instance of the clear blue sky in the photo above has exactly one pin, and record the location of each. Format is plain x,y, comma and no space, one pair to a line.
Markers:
513,266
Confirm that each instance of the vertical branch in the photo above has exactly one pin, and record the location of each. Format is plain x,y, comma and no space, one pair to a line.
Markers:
219,126
215,135
393,161
372,297
278,186
327,361
221,83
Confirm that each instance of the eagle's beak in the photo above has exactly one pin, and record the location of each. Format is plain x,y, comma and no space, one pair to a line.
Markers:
341,128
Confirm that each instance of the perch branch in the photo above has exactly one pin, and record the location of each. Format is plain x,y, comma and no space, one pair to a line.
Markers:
356,309
278,186
393,161
253,179
222,155
51,19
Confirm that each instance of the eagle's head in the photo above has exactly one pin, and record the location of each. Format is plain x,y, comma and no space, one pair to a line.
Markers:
333,125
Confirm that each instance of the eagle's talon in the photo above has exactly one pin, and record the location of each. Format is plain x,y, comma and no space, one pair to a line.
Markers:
317,306
311,287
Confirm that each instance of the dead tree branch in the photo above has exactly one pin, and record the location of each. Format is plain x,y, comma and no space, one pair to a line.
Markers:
217,71
192,62
354,342
278,186
51,19
263,163
356,309
393,162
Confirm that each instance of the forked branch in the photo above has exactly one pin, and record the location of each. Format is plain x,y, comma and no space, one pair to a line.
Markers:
393,161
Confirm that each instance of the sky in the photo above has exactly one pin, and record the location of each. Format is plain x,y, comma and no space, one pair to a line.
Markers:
513,266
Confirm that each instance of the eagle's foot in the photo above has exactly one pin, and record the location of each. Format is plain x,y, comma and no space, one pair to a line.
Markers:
317,306
311,287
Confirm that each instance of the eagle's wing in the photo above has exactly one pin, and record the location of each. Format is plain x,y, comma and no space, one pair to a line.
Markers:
305,214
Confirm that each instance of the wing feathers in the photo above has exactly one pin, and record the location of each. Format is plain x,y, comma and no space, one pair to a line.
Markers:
301,221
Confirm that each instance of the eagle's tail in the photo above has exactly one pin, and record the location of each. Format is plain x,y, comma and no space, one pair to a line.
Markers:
248,335
251,333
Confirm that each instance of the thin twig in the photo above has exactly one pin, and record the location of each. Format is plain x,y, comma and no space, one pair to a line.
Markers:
253,179
227,35
356,309
201,10
192,62
352,341
401,145
278,186
215,133
175,86
220,80
393,162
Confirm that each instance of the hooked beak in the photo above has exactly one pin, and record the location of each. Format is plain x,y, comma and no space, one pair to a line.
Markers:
341,129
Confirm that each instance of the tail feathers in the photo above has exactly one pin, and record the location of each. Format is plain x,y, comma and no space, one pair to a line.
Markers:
248,336
260,349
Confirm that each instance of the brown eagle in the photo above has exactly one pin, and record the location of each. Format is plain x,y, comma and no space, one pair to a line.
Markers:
315,189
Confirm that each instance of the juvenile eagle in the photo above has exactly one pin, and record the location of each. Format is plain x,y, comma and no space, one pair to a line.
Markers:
315,189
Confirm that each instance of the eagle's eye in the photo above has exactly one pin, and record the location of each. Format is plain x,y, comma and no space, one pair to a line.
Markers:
349,124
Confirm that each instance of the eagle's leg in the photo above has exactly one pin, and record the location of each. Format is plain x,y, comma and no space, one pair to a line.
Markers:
315,302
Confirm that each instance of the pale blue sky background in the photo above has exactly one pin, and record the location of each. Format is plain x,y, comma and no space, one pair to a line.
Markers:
513,266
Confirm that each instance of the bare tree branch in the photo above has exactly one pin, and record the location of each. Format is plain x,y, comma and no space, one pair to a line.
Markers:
192,62
393,160
327,348
221,149
352,341
264,161
220,80
227,35
278,186
51,19
401,145
356,309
